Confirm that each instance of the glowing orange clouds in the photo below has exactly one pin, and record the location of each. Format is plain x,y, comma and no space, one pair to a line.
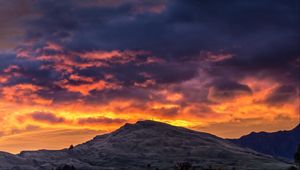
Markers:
230,118
84,89
23,93
114,56
101,90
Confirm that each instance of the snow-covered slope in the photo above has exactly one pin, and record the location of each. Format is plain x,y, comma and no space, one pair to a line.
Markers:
149,144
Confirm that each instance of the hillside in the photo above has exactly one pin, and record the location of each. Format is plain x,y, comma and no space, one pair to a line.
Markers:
146,145
279,144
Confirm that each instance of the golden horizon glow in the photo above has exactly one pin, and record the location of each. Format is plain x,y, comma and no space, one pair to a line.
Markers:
26,118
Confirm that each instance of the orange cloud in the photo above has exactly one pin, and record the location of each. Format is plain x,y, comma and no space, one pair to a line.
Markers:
85,89
216,57
102,55
53,46
11,69
3,79
10,72
172,96
80,78
25,93
113,56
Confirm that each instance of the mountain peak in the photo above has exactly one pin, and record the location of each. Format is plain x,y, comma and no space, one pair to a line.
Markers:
151,123
147,126
144,124
147,121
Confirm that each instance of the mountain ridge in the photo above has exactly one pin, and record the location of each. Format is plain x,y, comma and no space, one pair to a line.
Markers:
282,143
135,146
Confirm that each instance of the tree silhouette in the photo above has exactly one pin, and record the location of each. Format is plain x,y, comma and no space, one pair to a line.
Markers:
183,166
66,167
148,166
292,168
297,156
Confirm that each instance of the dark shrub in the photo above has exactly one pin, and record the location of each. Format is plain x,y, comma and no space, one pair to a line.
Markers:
66,167
297,156
183,166
292,168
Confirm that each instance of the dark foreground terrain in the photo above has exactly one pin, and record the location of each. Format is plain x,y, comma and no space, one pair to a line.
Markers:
145,145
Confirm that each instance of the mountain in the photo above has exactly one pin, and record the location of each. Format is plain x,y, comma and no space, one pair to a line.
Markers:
145,145
279,144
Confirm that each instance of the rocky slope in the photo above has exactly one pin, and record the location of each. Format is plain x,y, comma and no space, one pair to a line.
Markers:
279,144
146,145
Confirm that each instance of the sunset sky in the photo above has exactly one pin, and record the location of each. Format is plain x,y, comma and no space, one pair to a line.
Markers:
73,69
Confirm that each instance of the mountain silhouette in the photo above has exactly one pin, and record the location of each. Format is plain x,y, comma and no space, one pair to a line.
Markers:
279,144
146,145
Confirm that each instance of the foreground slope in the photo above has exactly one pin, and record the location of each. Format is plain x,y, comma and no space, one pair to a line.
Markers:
279,144
151,144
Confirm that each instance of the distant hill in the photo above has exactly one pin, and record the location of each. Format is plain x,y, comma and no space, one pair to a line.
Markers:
279,144
145,145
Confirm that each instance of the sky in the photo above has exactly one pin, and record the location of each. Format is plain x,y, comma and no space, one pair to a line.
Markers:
72,69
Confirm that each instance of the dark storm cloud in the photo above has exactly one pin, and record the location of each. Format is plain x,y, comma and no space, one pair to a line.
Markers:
281,95
168,112
260,34
12,15
231,86
262,37
224,90
162,73
100,120
7,59
182,29
46,117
